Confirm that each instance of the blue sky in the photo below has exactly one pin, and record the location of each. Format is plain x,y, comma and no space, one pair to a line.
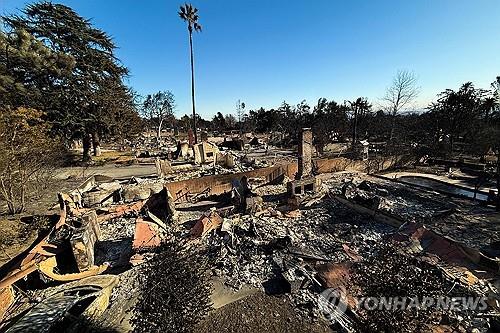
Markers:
267,51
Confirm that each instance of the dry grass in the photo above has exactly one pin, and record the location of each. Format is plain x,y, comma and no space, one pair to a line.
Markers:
114,156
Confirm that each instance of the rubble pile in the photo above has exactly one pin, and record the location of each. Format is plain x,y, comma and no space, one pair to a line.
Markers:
395,199
114,245
253,243
146,146
294,233
279,254
453,217
390,273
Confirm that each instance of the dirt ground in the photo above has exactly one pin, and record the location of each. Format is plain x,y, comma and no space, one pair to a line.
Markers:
259,313
15,237
18,232
45,197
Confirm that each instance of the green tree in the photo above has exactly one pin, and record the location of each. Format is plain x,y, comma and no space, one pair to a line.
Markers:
230,121
457,112
118,110
329,122
76,109
293,118
496,130
219,122
185,122
359,108
189,14
30,72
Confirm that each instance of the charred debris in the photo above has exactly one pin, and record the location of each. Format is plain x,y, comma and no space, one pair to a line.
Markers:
142,254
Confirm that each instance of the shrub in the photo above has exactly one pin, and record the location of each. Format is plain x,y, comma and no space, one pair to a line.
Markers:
28,155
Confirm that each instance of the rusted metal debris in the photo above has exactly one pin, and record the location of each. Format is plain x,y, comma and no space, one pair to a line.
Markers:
147,235
211,220
6,300
48,268
81,231
114,212
40,252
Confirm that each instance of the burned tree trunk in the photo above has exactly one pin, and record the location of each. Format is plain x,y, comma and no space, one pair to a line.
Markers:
158,133
354,130
393,125
96,144
86,142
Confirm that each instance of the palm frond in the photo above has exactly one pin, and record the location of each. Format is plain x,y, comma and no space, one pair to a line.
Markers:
188,13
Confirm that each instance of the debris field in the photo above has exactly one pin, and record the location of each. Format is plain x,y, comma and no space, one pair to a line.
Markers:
273,236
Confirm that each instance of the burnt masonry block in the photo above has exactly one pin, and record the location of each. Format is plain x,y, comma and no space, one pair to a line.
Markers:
305,154
83,241
301,186
253,204
82,244
147,235
90,218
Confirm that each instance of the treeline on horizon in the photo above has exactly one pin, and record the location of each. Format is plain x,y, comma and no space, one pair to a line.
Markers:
468,115
59,71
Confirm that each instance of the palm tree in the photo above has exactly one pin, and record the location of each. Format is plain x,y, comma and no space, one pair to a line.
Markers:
189,14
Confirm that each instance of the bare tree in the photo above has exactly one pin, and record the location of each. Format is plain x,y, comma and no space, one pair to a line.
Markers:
230,121
159,108
400,94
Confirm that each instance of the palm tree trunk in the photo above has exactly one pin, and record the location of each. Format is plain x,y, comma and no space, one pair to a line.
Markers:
192,86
